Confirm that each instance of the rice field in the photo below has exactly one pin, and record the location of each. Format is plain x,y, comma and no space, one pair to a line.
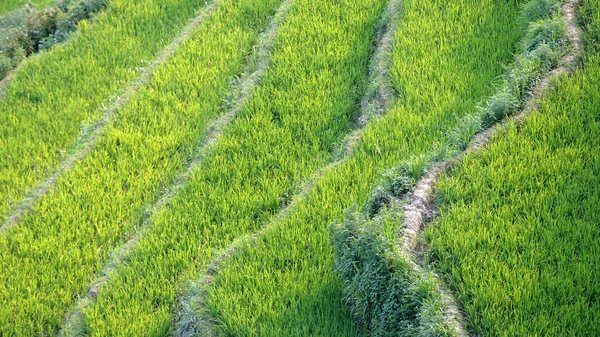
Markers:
58,98
251,168
518,234
8,5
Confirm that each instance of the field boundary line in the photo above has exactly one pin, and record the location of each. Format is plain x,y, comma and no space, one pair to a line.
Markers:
376,102
380,93
187,322
243,88
86,143
421,209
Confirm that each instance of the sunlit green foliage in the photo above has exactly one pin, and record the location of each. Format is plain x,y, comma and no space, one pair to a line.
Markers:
518,238
446,57
53,254
55,96
288,128
535,188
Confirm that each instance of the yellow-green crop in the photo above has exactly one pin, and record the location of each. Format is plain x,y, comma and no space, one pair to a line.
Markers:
286,131
446,57
56,97
518,238
49,259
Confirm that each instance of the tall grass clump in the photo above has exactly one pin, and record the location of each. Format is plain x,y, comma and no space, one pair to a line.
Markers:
388,295
396,182
518,236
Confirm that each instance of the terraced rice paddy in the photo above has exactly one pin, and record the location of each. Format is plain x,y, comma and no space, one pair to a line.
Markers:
8,5
519,232
175,168
57,99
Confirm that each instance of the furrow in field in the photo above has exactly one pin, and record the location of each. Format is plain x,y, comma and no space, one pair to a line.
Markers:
189,320
93,209
252,75
285,133
56,99
96,131
282,283
380,93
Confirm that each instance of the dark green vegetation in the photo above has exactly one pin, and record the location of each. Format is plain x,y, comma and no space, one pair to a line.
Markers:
388,295
518,238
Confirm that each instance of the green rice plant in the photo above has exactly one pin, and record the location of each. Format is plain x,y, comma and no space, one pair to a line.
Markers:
51,257
541,49
363,280
445,59
587,16
305,105
518,237
192,318
56,97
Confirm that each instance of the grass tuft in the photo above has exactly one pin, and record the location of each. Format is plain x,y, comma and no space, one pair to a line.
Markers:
387,294
535,10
